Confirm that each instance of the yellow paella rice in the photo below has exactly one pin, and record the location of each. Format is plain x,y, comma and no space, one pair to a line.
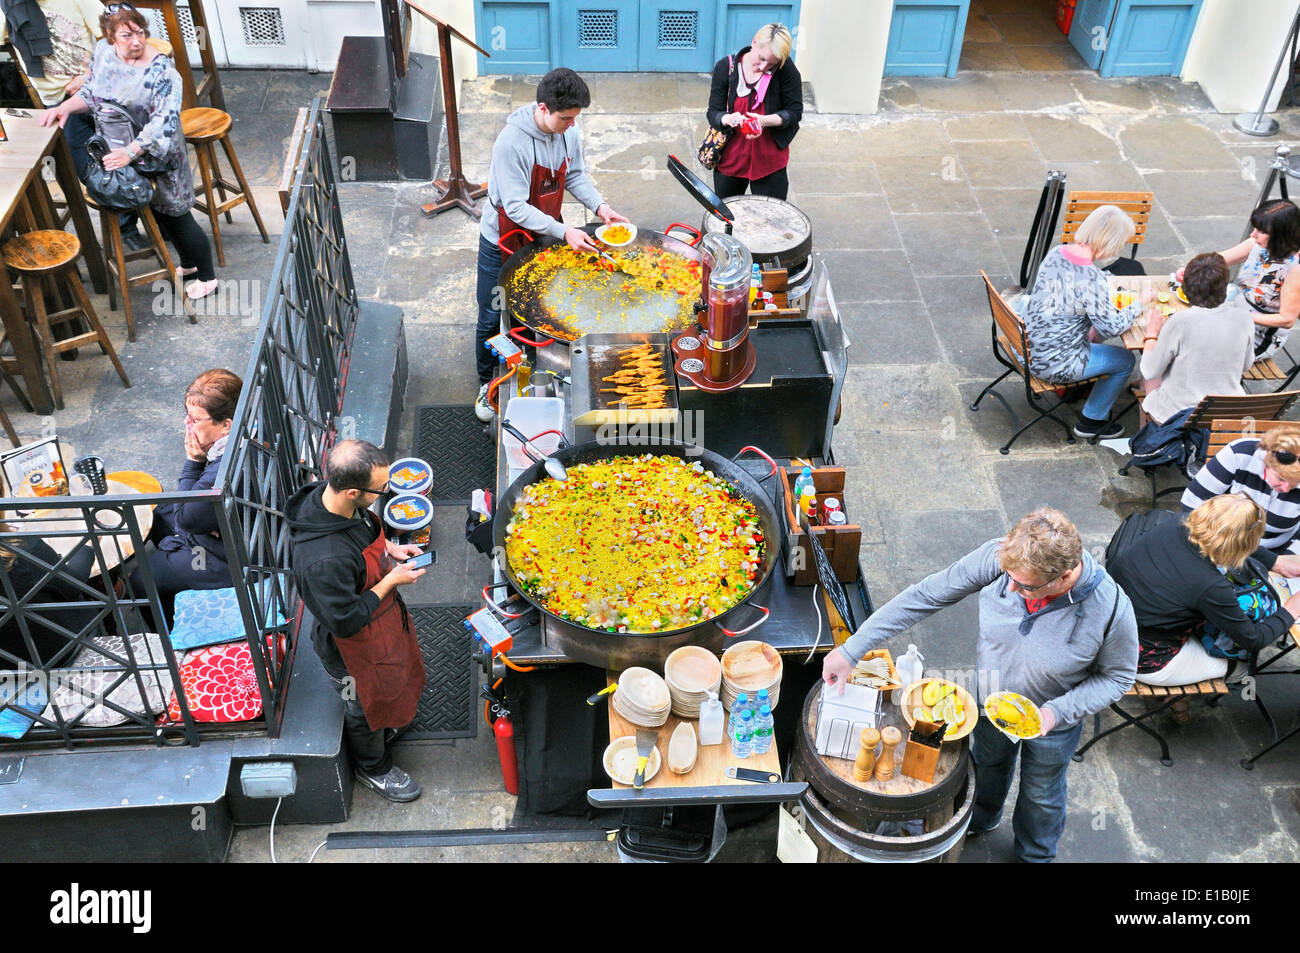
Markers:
635,544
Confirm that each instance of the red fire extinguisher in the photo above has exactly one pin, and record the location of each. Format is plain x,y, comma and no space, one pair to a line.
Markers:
505,735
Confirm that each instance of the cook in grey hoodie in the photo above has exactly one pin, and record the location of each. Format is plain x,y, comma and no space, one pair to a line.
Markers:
1076,655
520,146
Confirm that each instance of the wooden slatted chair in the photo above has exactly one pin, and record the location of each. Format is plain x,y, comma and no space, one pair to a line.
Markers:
1227,417
1079,205
1011,349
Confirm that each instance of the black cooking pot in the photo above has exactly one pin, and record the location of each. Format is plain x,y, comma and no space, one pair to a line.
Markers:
615,650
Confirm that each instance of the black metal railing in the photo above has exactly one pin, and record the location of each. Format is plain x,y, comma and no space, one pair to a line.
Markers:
54,608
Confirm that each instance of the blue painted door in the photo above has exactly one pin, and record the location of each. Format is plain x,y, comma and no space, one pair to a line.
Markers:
598,35
925,37
517,34
1150,37
1091,28
676,36
742,18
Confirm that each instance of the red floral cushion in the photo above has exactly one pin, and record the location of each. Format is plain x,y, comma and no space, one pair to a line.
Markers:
219,684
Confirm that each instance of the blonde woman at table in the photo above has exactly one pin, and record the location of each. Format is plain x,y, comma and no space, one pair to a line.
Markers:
1267,286
1070,312
190,553
1183,577
127,72
1203,350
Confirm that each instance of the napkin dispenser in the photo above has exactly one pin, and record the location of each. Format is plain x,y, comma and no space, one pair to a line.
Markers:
841,718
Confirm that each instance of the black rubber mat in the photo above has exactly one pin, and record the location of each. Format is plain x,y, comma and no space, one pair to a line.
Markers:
448,707
460,449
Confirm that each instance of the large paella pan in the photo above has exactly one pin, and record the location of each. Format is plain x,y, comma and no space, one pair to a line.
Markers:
560,294
726,524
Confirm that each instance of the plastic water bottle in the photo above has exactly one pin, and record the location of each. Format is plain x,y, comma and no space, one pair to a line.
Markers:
761,699
763,731
740,707
910,668
711,721
805,478
742,741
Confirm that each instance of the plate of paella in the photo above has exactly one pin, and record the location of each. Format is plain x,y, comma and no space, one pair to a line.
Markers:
1014,715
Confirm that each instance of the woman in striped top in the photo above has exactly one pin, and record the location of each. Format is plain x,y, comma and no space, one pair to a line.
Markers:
1267,470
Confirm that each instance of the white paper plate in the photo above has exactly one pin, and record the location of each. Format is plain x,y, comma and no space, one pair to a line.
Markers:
620,760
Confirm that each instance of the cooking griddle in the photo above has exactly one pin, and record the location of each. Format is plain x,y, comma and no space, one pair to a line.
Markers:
595,357
770,228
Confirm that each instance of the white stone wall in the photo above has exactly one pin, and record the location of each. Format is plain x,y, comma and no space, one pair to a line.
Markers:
1234,48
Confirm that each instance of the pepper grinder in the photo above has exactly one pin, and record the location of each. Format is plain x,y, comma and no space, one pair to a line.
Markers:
891,736
866,760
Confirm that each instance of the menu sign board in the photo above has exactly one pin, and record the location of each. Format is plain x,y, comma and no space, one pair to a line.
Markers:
35,469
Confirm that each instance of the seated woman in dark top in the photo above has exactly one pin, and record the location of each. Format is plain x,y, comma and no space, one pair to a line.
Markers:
25,562
1174,575
190,553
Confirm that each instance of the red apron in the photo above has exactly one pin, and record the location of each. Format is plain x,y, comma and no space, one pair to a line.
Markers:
384,657
545,193
751,158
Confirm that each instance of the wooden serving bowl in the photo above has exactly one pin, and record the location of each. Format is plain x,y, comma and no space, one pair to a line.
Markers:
912,700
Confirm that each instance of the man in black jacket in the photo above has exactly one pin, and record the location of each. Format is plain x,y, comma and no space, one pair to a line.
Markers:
362,633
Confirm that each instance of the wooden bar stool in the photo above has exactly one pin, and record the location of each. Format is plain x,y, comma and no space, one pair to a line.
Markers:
203,127
5,364
39,257
116,256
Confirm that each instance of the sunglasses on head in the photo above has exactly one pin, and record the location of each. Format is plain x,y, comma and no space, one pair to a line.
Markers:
115,7
1285,457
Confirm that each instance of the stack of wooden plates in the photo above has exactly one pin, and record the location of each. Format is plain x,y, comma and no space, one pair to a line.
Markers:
750,667
691,672
642,698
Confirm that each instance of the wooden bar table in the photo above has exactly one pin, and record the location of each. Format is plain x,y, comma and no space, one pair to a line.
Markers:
22,158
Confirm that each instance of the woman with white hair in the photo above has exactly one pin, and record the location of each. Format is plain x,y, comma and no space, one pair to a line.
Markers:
1070,312
758,95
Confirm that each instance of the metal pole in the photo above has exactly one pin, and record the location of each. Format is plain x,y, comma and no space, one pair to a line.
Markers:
1257,125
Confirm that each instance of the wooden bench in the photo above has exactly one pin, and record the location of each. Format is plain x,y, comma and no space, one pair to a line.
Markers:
1011,350
1165,696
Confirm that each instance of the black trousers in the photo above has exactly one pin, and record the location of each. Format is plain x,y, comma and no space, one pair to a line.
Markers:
368,749
775,186
184,233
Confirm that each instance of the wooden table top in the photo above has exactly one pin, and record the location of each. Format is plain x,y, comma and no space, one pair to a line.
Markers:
117,547
710,765
29,143
900,784
1136,284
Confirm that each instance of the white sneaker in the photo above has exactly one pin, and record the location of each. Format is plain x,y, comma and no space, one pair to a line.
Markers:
482,409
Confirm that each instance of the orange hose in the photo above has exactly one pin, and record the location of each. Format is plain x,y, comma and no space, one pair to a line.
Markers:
517,668
492,388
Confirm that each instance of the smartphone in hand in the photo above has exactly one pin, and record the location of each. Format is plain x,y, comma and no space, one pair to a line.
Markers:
423,561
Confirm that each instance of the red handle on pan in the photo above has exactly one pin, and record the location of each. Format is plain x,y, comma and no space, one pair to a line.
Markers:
518,336
761,454
501,242
749,628
693,231
487,600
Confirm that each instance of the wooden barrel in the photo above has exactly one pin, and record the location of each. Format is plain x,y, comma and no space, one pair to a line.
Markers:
842,816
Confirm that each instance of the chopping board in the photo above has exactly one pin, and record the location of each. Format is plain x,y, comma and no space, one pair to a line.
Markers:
595,357
710,765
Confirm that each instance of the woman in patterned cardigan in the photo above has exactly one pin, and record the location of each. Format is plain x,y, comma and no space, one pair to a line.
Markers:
1070,312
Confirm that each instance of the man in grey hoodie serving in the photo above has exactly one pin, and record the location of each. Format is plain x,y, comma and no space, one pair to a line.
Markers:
1053,627
534,160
